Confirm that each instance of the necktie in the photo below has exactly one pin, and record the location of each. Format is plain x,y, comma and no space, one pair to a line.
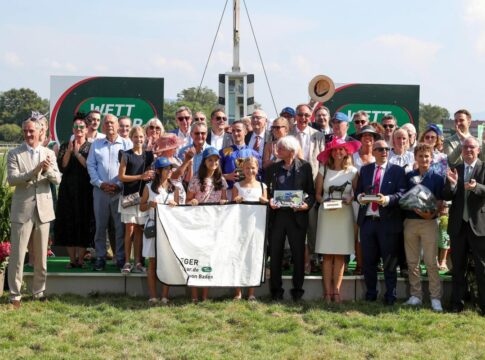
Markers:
257,143
466,178
377,186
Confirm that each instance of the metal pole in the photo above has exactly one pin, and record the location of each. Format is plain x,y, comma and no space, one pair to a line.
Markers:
235,66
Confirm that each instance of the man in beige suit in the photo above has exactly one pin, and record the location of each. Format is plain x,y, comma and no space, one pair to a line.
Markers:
312,143
31,167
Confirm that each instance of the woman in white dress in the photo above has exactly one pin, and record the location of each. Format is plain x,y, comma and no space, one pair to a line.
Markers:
335,229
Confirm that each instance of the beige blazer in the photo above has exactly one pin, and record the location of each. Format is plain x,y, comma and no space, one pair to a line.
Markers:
317,145
31,190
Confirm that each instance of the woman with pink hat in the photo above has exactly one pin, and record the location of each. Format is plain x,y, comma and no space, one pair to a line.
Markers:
167,146
335,230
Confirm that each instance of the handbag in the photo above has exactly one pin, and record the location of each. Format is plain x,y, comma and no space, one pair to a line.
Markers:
150,229
135,198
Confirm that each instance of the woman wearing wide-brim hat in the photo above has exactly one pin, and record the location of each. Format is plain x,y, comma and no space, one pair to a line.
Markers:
336,179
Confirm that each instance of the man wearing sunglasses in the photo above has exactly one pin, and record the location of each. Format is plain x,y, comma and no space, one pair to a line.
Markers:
217,137
193,151
183,116
340,126
360,119
380,220
389,124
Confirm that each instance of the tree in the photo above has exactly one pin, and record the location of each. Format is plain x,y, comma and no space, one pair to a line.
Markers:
431,114
16,105
205,100
10,133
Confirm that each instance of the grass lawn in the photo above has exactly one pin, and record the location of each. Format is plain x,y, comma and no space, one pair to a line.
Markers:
120,327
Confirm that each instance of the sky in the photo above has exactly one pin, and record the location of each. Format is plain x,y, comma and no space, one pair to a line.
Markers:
439,45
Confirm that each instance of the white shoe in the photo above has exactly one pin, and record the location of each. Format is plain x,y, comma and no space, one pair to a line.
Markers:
164,301
436,305
414,301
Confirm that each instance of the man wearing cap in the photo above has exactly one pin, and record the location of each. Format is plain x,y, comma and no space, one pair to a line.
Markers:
194,150
103,167
259,136
360,119
231,154
183,116
31,168
217,137
340,126
380,221
389,124
322,120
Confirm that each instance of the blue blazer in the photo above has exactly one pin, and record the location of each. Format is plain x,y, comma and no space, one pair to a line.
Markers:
393,185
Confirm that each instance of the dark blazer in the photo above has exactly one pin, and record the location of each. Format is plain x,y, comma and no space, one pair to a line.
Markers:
226,141
393,185
475,201
329,137
303,181
267,136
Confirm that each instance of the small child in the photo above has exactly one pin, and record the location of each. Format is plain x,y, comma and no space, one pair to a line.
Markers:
208,186
159,191
249,189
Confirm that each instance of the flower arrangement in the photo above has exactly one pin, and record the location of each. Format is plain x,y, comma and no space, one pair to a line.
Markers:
4,254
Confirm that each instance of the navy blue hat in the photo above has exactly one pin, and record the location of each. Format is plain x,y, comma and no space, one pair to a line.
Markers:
210,151
436,129
288,110
162,162
340,116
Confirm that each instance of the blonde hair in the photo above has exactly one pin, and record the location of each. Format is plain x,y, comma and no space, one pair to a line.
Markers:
157,122
136,129
251,160
346,162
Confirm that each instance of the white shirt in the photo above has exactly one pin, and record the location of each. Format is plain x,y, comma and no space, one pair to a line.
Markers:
185,138
304,139
216,140
34,154
370,212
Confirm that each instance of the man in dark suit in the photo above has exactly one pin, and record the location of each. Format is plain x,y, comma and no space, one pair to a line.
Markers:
217,137
380,221
183,116
340,126
465,186
256,138
288,174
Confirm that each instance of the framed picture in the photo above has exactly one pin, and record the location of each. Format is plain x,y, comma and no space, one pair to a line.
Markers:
288,198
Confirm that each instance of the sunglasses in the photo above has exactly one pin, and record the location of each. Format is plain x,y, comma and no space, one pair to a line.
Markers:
430,137
382,149
359,122
151,127
277,127
307,115
221,118
182,118
80,127
199,119
199,133
388,126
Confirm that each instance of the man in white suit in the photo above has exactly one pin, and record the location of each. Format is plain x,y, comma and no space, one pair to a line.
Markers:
31,168
312,143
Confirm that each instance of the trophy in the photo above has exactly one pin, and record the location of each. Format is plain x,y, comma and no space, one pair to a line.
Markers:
369,196
335,201
239,170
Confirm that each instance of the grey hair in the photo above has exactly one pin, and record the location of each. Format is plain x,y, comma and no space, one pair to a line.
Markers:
289,143
409,128
197,124
38,124
361,113
183,108
157,122
262,113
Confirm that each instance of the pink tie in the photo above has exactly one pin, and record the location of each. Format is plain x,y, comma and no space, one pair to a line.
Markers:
377,185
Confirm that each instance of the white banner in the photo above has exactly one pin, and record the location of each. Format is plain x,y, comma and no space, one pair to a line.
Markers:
211,245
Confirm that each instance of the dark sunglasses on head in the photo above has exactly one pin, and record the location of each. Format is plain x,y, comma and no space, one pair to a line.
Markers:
80,127
386,126
182,118
382,149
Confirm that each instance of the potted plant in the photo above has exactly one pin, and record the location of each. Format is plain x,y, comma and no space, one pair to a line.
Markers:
5,204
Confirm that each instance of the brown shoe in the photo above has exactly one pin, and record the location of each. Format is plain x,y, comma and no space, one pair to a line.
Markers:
15,304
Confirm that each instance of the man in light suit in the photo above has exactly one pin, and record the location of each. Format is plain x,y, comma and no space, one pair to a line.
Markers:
31,168
312,143
256,138
465,186
452,144
381,223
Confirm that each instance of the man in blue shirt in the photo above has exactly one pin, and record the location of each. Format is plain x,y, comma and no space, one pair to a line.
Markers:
103,166
198,132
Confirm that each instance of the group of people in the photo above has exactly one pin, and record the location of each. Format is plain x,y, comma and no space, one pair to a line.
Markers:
351,184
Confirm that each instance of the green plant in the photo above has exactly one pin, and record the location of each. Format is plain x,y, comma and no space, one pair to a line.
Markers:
5,200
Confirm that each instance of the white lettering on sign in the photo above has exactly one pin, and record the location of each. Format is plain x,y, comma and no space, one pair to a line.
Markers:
121,109
373,115
137,121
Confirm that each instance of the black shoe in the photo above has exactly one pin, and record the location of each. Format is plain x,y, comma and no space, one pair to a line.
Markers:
389,302
457,308
120,264
100,264
297,294
42,298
